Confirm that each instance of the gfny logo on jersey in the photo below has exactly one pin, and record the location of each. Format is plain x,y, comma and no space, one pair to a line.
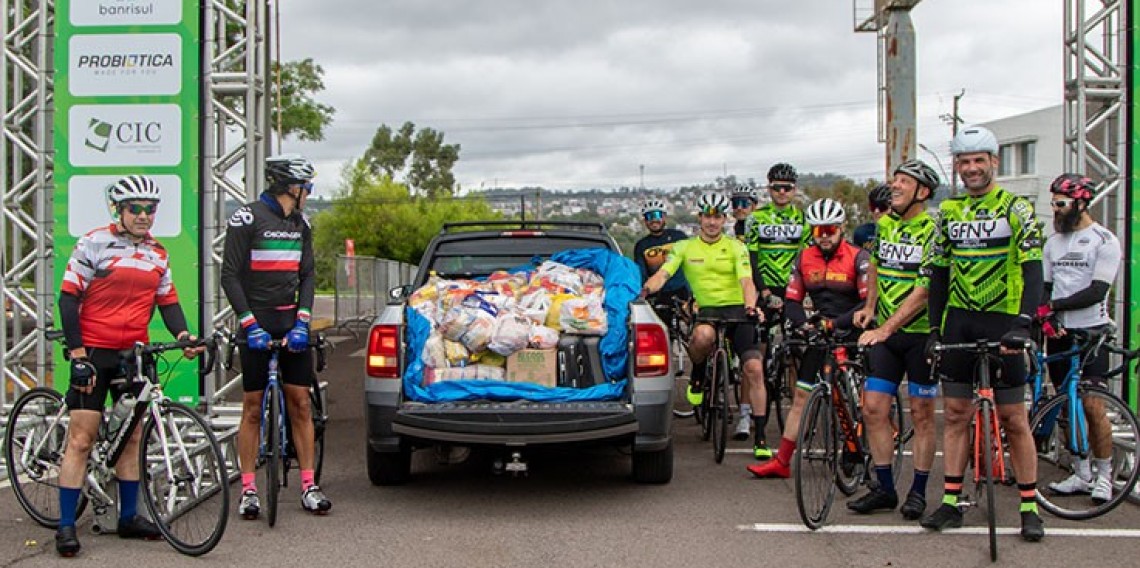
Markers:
977,231
780,232
899,253
125,135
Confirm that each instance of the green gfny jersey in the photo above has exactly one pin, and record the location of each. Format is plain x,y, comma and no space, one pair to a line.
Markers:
776,236
984,241
900,246
713,270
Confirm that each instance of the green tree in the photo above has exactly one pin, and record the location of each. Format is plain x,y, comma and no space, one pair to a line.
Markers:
429,173
300,114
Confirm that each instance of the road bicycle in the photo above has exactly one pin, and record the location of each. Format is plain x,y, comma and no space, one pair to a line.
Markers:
677,316
715,411
781,366
1061,428
183,476
832,448
276,452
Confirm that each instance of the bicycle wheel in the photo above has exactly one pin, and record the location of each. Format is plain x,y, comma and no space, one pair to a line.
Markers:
33,444
184,479
852,461
985,477
272,452
720,411
704,410
1056,458
814,462
319,423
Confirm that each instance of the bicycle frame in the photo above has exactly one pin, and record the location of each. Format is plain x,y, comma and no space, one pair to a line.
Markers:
1078,430
273,384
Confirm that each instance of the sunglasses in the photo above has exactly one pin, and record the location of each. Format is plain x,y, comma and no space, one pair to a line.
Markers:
1061,203
139,209
782,187
741,203
308,187
825,230
879,208
711,212
654,216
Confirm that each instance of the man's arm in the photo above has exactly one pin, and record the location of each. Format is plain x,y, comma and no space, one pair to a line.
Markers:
308,286
1108,258
749,289
235,258
639,260
174,319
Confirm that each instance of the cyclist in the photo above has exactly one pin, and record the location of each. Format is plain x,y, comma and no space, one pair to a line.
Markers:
268,278
720,274
777,233
985,274
744,200
1081,260
650,251
897,294
878,203
834,273
115,278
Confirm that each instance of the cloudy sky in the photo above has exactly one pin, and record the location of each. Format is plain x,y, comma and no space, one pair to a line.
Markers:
578,94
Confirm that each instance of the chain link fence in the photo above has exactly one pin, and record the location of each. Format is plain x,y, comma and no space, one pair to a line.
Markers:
362,286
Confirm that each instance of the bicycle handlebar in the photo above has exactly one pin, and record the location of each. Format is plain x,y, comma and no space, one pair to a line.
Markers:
978,347
232,341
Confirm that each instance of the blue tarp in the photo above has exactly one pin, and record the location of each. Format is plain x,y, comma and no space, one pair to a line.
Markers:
623,284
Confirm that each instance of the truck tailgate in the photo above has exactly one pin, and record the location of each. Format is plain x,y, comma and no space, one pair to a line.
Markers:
517,422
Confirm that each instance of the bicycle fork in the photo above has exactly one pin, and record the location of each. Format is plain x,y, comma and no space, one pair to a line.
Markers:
997,451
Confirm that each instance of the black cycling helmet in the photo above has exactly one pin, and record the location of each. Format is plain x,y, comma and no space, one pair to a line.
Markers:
880,197
782,172
288,169
921,172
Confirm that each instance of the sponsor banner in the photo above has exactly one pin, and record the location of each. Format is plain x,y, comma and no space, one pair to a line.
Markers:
125,12
125,64
87,206
125,135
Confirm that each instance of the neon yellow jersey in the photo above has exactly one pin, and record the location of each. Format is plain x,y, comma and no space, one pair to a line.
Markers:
984,241
900,246
714,271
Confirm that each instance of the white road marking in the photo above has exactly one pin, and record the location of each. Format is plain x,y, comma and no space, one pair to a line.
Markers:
915,529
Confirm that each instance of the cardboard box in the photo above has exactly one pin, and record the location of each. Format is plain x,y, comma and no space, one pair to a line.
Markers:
539,366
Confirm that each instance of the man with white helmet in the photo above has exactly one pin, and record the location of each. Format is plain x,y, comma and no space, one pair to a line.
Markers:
650,251
115,278
720,275
743,200
834,273
986,281
268,276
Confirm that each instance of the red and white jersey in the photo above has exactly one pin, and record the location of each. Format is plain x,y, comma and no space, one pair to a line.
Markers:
118,283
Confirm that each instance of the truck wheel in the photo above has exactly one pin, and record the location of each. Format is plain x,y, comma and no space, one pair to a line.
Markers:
388,468
653,467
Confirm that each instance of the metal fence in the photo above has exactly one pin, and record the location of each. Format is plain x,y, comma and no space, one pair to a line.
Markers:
362,286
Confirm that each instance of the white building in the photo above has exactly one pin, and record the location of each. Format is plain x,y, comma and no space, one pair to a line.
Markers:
1031,148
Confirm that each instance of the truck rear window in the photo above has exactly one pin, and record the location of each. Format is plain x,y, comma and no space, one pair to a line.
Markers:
481,256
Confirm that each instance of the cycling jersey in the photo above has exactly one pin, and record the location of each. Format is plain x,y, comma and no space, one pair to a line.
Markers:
899,249
118,282
984,241
741,227
267,265
649,253
776,236
713,270
1072,261
837,284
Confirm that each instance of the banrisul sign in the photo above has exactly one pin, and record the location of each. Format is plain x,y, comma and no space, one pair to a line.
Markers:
127,102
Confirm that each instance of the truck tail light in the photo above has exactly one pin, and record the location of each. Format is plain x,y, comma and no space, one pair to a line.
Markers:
383,360
651,350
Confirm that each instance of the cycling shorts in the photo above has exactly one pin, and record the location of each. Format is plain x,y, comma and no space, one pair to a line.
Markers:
956,369
113,372
1092,373
742,336
903,354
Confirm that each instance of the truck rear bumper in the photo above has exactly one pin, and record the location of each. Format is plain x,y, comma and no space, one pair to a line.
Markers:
515,423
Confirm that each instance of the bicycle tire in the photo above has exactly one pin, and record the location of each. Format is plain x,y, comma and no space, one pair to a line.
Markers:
35,480
1054,456
814,464
704,410
273,452
986,476
852,468
720,410
184,479
320,422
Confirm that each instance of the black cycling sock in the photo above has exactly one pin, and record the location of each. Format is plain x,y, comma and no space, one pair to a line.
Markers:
698,376
759,423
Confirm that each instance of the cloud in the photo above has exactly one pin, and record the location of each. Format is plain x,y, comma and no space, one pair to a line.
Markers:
573,95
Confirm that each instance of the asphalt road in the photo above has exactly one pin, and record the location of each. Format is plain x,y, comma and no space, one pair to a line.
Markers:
575,508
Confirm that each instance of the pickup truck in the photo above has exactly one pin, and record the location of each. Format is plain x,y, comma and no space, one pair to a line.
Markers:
640,420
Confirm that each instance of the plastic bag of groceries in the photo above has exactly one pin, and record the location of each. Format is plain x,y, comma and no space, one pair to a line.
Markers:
451,293
507,283
493,302
554,315
557,278
457,355
512,332
434,353
468,373
583,315
542,337
489,358
470,326
535,305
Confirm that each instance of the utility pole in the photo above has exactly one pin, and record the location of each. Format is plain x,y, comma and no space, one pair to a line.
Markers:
954,120
642,167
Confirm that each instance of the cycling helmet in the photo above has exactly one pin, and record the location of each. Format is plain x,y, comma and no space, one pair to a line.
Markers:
880,197
974,139
825,212
712,202
133,187
1074,185
921,172
653,204
782,172
288,169
745,193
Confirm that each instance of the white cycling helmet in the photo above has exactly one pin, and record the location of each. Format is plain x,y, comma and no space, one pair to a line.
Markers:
653,204
131,188
712,202
974,139
287,169
746,192
825,212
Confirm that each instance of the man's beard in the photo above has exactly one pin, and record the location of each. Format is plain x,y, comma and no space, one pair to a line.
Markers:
1067,222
